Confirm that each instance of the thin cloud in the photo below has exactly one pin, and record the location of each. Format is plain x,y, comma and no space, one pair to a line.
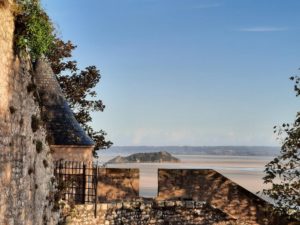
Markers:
263,29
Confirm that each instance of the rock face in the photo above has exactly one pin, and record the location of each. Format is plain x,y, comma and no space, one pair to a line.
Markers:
152,157
26,169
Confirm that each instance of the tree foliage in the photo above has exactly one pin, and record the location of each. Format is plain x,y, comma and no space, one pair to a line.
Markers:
283,172
35,34
78,87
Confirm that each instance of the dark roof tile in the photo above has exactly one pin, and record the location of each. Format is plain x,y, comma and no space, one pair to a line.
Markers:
61,124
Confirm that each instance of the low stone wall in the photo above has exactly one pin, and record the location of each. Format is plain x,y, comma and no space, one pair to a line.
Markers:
217,190
117,184
149,212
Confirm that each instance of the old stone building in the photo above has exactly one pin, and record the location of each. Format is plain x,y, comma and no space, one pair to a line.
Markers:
67,139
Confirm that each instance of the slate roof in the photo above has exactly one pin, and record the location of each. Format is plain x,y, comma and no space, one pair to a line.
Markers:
61,125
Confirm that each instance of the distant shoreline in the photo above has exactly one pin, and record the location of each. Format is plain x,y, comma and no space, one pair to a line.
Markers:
198,150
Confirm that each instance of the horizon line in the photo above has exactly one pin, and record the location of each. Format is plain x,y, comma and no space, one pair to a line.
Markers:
273,146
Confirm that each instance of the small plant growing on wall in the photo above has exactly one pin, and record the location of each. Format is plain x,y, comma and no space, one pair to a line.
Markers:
12,109
39,146
31,87
21,122
30,170
35,123
45,163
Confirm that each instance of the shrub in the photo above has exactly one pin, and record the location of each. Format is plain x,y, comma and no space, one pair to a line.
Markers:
34,30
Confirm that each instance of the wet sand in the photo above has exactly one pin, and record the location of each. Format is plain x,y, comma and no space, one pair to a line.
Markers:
245,171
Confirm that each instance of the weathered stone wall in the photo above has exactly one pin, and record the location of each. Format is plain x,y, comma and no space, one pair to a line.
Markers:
117,184
215,189
6,52
150,212
26,167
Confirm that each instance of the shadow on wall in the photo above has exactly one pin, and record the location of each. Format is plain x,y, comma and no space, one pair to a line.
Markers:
117,184
215,189
179,189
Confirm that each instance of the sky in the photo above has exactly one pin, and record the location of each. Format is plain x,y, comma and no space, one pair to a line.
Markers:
187,72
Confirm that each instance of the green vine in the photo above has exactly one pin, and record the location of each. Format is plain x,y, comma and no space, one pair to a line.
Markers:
34,32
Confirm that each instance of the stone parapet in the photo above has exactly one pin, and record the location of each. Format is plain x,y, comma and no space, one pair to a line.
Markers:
212,187
117,184
149,212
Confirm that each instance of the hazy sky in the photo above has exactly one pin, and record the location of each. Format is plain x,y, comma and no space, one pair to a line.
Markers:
187,72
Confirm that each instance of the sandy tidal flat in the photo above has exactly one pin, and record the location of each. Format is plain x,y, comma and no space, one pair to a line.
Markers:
247,171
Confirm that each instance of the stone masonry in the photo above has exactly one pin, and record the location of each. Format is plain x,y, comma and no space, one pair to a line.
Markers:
217,190
26,168
117,184
6,51
186,196
149,212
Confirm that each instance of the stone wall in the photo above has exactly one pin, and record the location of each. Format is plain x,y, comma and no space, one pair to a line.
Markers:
150,212
6,53
72,153
215,189
25,161
117,184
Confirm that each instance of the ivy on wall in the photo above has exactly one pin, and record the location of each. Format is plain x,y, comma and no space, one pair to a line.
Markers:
34,32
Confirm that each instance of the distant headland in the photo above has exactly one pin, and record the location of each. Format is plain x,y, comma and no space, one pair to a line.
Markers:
150,157
199,150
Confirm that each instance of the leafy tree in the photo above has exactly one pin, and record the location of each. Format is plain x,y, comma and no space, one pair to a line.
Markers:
283,172
78,86
35,34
